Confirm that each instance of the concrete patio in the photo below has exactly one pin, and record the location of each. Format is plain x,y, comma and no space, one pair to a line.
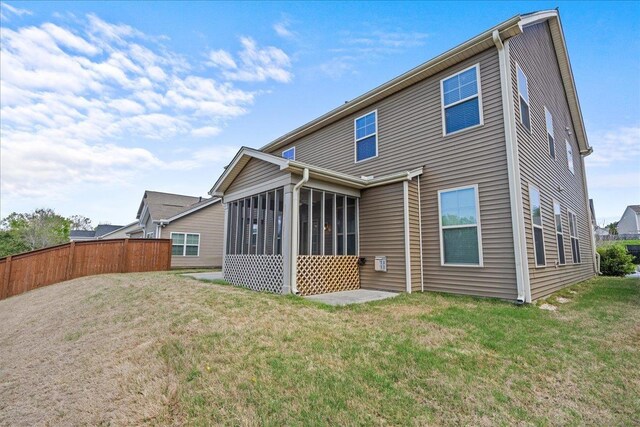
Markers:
212,275
357,296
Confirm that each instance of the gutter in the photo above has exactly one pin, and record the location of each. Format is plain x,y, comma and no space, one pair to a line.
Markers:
294,228
515,193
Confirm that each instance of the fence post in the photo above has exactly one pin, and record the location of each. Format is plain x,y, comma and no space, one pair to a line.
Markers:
125,256
72,249
5,278
170,245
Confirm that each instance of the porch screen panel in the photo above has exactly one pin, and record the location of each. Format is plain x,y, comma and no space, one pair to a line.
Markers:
351,226
340,213
280,208
231,228
239,224
303,230
254,225
246,229
269,228
316,222
328,223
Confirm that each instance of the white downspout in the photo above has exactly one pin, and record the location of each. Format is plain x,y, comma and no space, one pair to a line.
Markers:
515,193
294,228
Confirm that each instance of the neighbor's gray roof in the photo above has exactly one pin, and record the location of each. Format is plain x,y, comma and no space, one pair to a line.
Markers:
103,229
635,208
82,233
166,205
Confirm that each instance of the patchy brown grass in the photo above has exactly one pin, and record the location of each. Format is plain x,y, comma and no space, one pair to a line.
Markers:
161,349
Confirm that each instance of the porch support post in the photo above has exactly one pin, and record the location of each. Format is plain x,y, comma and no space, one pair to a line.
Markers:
287,238
225,235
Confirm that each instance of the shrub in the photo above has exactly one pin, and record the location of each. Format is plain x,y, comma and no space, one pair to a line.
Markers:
615,260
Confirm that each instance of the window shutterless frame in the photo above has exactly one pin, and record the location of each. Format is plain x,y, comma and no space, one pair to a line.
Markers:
289,154
477,225
573,236
355,138
460,101
569,156
551,140
184,245
534,226
557,218
521,93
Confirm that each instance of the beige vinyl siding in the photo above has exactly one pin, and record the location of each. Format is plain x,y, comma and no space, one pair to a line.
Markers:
209,223
533,51
254,173
414,235
137,235
410,136
382,234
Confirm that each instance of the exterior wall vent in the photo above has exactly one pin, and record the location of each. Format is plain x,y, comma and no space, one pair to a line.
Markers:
381,263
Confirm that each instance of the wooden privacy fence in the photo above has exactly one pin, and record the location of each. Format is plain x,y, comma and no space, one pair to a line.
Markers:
31,270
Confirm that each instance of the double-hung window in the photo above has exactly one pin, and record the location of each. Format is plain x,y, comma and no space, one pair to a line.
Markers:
185,244
461,103
366,136
569,155
289,154
575,242
523,95
557,214
460,236
536,221
550,138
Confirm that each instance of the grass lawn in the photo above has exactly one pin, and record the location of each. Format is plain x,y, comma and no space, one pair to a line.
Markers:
162,349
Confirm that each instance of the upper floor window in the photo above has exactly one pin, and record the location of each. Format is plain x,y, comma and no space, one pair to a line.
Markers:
550,138
569,156
460,239
366,132
573,232
461,103
557,214
523,94
289,154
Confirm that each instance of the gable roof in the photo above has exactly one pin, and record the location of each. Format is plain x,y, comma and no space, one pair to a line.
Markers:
130,225
507,29
635,208
100,230
74,234
245,154
169,206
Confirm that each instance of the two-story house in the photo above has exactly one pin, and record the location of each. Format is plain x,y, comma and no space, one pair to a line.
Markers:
463,175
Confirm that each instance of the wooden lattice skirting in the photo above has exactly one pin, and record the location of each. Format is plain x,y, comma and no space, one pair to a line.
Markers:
256,272
319,274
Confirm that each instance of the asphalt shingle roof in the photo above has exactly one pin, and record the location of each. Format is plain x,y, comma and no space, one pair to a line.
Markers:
166,205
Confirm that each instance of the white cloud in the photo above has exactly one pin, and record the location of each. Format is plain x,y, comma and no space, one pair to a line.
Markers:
77,104
206,132
281,29
615,146
254,64
222,59
356,47
6,10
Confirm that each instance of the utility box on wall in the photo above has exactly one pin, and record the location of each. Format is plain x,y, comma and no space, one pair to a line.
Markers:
381,263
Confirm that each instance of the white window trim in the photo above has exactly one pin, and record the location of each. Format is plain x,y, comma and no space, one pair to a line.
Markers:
184,245
561,232
290,149
570,162
550,132
527,102
440,227
533,225
478,95
355,139
571,237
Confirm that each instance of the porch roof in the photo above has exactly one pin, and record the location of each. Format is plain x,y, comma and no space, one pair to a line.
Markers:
315,172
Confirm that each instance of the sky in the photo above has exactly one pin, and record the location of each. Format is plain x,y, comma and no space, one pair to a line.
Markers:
100,101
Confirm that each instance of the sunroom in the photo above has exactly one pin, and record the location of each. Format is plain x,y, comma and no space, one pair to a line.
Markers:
293,227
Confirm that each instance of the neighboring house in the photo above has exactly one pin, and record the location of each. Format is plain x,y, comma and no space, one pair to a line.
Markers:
464,175
194,224
98,232
630,221
121,233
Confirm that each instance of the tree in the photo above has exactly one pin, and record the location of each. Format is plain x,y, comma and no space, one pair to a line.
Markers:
38,229
613,228
11,244
80,222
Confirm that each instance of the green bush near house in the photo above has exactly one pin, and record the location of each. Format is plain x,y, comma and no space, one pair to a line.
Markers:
616,260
